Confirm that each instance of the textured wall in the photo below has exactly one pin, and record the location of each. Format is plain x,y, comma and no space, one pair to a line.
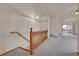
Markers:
11,20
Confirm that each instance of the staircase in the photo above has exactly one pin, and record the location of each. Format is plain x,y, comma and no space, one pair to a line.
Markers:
39,37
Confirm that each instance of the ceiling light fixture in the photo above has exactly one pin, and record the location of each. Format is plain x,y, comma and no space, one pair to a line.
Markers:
37,17
77,12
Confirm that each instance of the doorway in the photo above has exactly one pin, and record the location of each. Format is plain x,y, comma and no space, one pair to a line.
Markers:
67,29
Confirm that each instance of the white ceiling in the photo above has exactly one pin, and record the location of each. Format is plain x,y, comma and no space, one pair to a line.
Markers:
66,11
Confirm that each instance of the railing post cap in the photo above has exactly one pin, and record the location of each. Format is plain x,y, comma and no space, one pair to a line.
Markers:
31,29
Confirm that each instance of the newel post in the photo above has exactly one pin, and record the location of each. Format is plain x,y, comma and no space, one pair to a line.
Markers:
31,41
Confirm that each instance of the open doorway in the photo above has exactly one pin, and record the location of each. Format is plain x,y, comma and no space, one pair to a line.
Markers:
67,29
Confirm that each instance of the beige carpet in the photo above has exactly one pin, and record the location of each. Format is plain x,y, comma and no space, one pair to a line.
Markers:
58,46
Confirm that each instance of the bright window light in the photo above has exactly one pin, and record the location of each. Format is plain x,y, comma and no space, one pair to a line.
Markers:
36,17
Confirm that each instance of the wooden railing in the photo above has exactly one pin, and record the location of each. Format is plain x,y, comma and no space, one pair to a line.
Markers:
26,39
39,37
35,38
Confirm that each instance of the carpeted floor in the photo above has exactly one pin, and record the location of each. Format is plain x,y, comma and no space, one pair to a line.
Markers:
58,46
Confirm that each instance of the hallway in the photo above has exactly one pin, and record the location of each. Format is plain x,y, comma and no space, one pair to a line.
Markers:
47,19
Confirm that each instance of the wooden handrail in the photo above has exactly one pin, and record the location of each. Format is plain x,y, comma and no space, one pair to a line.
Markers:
21,35
13,50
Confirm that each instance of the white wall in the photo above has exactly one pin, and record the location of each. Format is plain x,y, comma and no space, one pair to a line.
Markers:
76,27
11,20
5,25
55,26
39,25
76,31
